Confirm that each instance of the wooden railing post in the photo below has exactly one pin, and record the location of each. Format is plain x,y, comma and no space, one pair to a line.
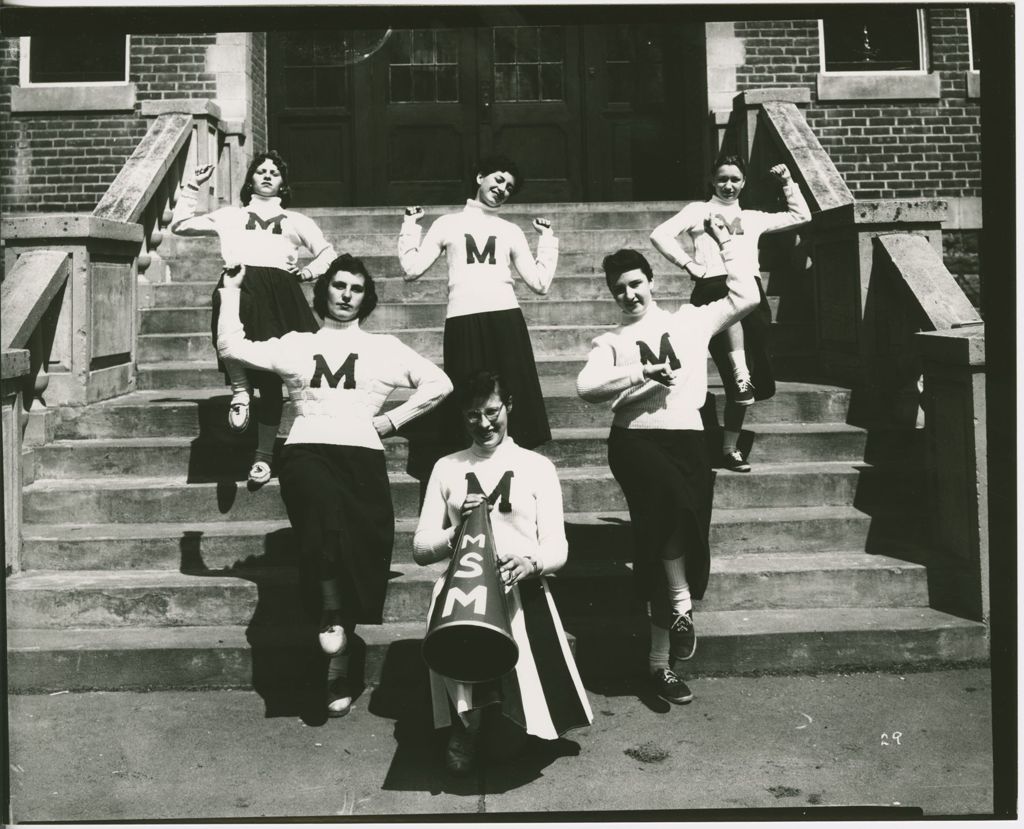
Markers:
14,367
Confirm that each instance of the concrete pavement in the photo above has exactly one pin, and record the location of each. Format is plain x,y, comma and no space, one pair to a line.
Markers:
874,739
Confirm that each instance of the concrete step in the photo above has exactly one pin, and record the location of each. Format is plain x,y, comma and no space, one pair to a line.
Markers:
584,489
212,459
203,412
731,642
383,239
391,316
195,544
67,599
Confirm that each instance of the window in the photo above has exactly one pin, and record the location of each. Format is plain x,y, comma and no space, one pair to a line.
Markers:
73,72
973,32
529,63
66,59
875,53
423,66
883,40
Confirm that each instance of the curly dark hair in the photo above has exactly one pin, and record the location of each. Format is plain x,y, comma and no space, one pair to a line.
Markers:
623,260
351,264
492,163
732,160
480,385
285,193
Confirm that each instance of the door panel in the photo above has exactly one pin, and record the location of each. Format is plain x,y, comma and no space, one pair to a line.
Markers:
531,106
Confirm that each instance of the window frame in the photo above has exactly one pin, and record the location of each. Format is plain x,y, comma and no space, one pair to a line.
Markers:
25,66
922,54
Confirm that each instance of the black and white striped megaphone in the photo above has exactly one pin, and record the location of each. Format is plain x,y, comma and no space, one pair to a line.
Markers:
469,635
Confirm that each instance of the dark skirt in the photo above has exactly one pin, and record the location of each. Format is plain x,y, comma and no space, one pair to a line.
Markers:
497,341
271,304
339,504
668,483
755,339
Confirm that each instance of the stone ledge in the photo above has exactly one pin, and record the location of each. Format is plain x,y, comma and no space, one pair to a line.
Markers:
112,98
900,211
14,363
973,79
189,106
963,346
878,86
59,226
785,94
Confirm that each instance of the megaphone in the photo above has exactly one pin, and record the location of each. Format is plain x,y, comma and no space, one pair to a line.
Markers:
469,635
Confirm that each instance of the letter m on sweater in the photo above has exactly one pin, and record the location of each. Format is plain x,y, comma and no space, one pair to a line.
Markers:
473,253
666,354
323,371
274,224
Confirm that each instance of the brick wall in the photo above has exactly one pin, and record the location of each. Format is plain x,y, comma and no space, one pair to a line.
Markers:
259,91
65,162
884,149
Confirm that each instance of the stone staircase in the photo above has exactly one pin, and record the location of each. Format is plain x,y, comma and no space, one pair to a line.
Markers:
149,564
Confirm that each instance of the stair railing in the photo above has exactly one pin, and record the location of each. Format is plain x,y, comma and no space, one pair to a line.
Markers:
892,323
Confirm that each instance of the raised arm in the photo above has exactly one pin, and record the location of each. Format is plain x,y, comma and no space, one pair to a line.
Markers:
743,296
231,341
184,221
435,533
536,273
415,257
797,212
665,238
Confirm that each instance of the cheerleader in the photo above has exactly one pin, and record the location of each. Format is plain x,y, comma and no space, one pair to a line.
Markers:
748,338
543,694
266,238
484,326
333,478
654,366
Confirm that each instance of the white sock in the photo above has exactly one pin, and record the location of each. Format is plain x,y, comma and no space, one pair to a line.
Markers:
658,656
739,364
729,441
678,586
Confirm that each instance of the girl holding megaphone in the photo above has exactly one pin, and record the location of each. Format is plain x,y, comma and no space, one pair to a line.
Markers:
527,541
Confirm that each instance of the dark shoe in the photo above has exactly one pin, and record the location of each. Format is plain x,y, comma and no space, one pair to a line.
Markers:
670,687
744,395
734,462
339,697
682,636
460,758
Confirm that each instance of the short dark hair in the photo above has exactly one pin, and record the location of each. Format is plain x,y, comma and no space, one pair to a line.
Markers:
480,384
285,193
623,260
351,264
733,160
492,163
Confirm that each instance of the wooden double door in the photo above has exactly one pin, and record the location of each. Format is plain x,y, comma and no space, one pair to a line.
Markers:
590,113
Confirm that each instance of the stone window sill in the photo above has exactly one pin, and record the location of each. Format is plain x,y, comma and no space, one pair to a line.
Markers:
107,98
878,86
973,84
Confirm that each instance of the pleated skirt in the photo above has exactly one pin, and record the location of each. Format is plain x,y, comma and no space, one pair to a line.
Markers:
543,694
668,483
339,503
270,305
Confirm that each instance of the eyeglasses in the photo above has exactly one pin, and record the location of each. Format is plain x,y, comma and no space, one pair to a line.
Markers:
477,418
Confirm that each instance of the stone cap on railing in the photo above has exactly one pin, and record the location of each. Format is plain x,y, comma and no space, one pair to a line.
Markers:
957,346
144,171
14,363
786,124
922,270
25,295
57,227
